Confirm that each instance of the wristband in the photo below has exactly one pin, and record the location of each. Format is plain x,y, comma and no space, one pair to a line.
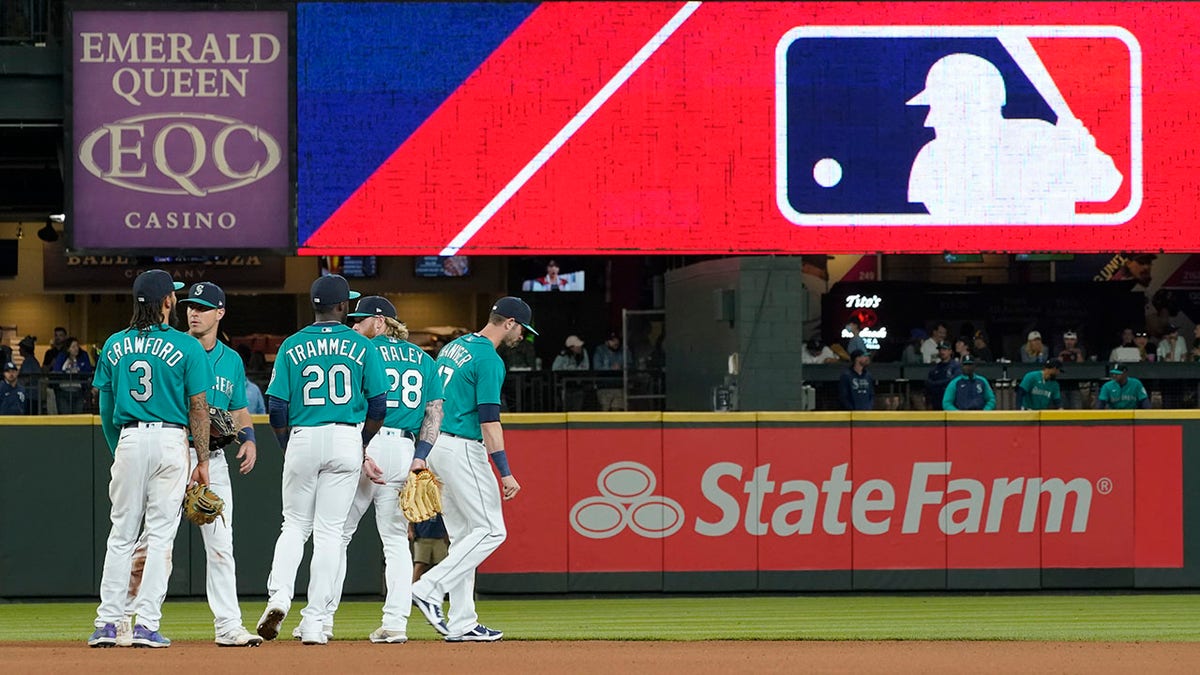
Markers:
500,459
246,434
422,451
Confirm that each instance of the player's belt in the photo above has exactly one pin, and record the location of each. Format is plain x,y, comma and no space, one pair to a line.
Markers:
154,425
389,431
344,424
461,438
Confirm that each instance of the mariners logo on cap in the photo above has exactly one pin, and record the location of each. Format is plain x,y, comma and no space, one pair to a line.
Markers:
1051,113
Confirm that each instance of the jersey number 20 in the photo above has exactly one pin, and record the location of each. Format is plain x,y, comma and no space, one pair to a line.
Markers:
338,384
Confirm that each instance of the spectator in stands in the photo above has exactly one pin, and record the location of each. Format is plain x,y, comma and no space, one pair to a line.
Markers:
816,351
1039,388
1141,340
57,346
962,348
1034,351
12,394
522,357
255,405
856,389
69,393
30,374
981,351
1126,351
939,376
1172,347
610,358
929,348
1071,351
912,352
969,391
1122,392
856,343
573,357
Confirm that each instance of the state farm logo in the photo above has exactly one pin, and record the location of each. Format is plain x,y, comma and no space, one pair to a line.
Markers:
626,500
180,153
762,504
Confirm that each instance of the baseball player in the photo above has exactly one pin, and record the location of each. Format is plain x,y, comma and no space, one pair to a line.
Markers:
152,382
205,308
472,374
1122,392
327,379
1039,389
414,414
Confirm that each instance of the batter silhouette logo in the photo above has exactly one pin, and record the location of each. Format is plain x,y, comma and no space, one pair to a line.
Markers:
626,500
958,125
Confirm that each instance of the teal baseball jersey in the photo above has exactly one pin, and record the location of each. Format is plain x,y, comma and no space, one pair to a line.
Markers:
472,374
1040,394
1127,397
326,373
151,375
412,378
229,387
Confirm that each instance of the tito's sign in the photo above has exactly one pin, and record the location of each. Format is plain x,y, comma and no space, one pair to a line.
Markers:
179,130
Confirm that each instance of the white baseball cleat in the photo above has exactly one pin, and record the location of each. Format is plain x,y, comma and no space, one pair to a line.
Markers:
268,625
385,636
238,637
327,630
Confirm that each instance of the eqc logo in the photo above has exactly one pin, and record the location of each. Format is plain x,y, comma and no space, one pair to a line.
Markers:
958,125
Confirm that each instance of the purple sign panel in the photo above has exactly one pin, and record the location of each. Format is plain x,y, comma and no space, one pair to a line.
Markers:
180,130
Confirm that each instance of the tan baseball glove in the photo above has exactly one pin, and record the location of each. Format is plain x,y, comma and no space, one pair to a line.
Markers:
421,497
202,506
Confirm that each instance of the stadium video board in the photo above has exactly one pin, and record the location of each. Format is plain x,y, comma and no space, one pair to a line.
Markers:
588,128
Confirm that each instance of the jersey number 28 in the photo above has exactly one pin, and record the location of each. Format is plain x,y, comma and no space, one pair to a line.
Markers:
409,385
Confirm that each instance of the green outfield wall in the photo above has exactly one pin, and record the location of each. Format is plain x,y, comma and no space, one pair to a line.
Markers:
713,502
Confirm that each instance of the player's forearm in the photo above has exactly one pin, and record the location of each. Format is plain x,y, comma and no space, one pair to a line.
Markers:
431,425
493,440
112,434
244,424
200,424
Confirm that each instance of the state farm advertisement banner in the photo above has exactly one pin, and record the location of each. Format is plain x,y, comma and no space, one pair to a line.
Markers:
1009,496
179,130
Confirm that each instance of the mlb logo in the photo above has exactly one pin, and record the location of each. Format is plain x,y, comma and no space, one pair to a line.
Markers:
958,125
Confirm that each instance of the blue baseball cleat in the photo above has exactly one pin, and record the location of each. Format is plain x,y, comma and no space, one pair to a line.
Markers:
144,637
104,636
433,614
480,633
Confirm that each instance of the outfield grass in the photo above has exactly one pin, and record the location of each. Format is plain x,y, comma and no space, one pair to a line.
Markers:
1006,617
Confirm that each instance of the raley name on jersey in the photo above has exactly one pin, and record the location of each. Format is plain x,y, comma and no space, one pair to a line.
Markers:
310,349
142,344
959,125
400,352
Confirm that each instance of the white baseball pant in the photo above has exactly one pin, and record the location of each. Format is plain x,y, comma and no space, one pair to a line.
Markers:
474,520
149,473
393,452
220,572
320,475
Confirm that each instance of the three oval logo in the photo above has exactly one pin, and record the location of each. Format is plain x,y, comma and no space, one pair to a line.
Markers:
180,153
626,500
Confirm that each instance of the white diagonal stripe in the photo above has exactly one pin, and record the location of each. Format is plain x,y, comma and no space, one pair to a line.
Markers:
564,134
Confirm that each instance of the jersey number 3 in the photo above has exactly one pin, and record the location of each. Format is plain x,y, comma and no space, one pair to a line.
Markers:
145,389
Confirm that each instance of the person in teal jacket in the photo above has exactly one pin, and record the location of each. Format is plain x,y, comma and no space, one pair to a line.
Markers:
1039,388
969,391
1122,392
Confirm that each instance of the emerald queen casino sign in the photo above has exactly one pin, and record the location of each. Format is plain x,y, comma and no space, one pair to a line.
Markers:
179,130
446,128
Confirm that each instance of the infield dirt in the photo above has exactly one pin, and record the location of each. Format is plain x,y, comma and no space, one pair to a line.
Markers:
615,657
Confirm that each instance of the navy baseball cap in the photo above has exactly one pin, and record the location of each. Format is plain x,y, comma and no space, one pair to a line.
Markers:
515,308
10,366
331,289
1118,368
857,353
968,360
207,294
154,285
1053,363
374,305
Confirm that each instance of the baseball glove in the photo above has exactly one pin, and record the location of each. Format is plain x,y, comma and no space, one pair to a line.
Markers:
421,497
202,506
222,431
